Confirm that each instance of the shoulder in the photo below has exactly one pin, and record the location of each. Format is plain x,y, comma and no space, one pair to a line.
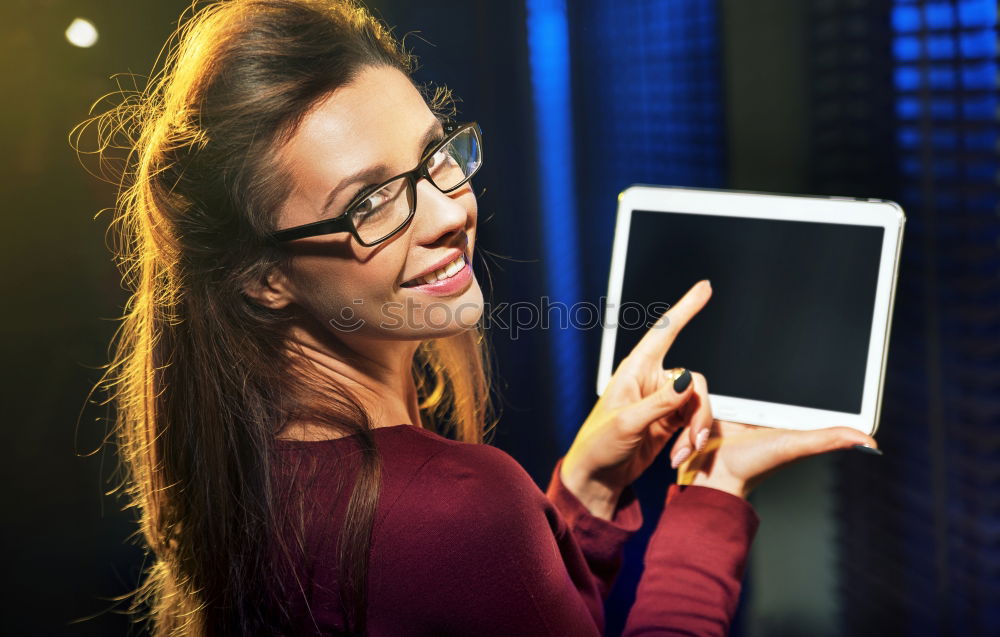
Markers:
429,481
479,477
412,459
461,495
461,459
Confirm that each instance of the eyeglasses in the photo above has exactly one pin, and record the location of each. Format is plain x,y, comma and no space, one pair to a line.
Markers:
378,213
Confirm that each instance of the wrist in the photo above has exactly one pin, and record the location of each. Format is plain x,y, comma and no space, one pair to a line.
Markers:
599,499
734,486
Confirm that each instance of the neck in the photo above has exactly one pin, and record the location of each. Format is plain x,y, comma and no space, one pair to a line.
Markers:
377,372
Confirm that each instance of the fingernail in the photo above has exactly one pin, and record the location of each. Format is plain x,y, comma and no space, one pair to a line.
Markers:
681,382
680,457
702,439
867,449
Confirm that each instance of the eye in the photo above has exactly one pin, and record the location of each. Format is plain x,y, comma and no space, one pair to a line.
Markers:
361,201
437,158
370,203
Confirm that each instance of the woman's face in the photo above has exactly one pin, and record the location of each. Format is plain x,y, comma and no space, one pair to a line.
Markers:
364,133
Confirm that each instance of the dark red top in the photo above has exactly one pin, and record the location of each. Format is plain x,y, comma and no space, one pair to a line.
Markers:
465,543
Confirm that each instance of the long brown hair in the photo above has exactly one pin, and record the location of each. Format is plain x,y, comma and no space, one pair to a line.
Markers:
201,379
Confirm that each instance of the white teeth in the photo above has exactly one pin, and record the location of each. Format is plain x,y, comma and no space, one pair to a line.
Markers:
454,267
447,271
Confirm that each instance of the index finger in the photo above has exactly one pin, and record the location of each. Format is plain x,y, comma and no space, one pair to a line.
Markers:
658,338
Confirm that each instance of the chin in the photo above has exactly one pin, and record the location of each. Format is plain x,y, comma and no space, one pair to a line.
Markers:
420,316
449,316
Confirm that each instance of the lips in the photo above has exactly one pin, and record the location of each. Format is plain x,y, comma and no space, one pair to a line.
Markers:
449,286
442,271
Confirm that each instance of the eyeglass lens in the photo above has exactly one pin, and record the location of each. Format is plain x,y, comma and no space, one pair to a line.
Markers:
388,208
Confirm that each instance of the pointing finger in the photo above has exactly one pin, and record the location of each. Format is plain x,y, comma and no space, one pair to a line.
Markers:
657,340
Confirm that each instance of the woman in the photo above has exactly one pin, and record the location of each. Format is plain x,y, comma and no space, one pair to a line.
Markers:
301,378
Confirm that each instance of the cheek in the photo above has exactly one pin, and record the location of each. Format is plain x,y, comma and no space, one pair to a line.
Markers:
329,290
473,211
472,220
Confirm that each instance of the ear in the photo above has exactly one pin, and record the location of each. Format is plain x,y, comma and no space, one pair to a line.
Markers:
272,290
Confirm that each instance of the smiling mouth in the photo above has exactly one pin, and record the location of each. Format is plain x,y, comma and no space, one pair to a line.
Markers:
440,274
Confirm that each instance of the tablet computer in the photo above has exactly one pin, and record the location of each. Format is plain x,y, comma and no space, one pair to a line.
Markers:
796,332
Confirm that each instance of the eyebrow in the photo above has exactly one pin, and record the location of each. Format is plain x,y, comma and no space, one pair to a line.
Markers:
367,174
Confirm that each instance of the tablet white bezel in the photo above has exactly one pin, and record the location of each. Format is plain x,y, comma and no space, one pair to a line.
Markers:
839,210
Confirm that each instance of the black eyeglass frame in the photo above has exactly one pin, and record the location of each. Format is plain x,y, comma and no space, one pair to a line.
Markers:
345,221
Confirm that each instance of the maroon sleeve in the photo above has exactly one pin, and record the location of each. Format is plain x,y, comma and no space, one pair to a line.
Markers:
694,564
601,541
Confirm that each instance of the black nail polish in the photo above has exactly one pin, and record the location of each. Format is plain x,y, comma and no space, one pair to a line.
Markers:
681,382
867,449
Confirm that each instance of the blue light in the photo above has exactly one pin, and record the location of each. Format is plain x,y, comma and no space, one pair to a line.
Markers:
940,46
978,13
939,16
908,108
943,108
979,43
906,19
907,78
981,108
941,77
548,52
908,137
980,76
906,48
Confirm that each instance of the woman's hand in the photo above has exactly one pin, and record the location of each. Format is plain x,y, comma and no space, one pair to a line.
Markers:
737,457
637,414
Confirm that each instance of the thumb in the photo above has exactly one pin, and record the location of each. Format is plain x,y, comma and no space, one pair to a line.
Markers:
675,390
801,444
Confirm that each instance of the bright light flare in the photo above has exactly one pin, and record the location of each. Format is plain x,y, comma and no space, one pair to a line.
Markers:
81,33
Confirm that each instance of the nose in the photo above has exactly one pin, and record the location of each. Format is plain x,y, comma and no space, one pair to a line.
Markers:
439,214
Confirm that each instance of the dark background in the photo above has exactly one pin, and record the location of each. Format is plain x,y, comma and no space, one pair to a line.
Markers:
891,99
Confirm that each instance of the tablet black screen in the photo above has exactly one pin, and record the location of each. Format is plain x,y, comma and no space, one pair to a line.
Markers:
790,316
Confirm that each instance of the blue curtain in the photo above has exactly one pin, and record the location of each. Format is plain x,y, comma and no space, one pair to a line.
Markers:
920,532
